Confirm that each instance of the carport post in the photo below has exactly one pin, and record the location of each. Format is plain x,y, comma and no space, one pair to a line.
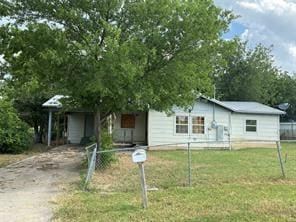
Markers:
49,128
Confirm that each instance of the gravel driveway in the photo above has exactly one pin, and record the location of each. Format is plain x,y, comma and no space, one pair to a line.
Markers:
27,187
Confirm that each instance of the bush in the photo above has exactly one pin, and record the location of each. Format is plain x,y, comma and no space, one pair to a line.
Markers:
14,133
106,159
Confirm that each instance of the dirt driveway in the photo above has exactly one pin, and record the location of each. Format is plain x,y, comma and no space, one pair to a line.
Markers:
27,187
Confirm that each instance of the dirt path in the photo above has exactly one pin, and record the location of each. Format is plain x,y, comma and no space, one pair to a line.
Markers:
27,187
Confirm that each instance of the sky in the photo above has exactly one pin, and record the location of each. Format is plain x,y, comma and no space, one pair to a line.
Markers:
269,22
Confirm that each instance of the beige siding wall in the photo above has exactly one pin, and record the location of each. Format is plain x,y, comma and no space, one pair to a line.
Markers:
136,135
161,127
75,127
267,127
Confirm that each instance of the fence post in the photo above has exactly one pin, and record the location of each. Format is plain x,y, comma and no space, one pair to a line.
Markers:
189,163
91,165
292,126
278,144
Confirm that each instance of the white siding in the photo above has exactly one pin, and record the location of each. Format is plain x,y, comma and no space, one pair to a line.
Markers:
161,127
75,127
136,135
267,127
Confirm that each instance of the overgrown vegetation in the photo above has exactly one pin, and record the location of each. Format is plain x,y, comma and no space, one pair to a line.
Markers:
106,158
242,185
14,133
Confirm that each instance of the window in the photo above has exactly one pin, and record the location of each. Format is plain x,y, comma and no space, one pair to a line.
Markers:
198,124
251,125
128,121
181,124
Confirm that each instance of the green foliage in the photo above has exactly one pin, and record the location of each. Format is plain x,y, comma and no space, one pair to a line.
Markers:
248,74
14,134
286,91
27,100
111,56
106,158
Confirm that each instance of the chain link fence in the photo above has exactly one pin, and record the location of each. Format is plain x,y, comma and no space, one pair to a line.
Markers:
167,166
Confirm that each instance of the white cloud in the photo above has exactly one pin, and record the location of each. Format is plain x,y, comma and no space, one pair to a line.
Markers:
270,22
292,50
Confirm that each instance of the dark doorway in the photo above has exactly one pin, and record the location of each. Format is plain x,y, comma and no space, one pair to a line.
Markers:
89,125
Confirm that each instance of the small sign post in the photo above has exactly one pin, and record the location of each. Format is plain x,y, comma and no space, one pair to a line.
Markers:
139,157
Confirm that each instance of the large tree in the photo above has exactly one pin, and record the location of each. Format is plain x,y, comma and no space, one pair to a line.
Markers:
285,93
248,74
23,69
117,55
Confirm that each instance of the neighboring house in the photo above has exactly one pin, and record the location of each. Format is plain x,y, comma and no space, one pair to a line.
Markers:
210,120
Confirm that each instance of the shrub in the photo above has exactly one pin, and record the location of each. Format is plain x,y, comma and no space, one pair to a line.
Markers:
14,133
106,158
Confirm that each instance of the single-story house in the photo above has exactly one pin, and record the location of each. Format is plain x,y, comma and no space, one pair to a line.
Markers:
209,120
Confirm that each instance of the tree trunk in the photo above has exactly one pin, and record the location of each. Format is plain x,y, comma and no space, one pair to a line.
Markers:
98,136
42,133
37,133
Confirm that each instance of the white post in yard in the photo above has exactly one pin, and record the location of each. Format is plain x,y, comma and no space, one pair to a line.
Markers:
143,185
49,128
139,157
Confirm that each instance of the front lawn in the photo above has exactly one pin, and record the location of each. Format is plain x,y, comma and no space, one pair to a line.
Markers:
241,185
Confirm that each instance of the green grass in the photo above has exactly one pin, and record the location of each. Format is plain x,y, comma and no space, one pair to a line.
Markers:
241,185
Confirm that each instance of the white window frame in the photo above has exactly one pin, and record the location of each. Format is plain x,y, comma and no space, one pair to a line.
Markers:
246,125
175,124
189,124
204,125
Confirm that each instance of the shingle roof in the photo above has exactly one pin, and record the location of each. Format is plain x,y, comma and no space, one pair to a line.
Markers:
247,107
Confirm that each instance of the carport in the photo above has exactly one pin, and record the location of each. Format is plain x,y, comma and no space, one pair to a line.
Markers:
54,105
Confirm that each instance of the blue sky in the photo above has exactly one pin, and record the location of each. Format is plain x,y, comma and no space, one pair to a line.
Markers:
269,22
236,29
